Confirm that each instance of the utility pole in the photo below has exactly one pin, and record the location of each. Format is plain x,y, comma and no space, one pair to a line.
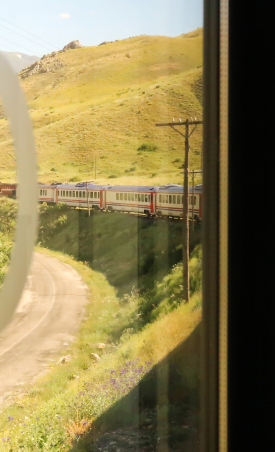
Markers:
185,245
88,198
193,198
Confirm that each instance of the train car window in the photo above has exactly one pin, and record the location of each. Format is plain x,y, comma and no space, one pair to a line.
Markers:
139,197
125,196
66,194
98,195
132,196
40,192
166,199
129,196
46,192
146,197
95,194
91,194
121,196
174,199
182,199
170,199
136,197
178,199
117,196
73,194
142,198
160,198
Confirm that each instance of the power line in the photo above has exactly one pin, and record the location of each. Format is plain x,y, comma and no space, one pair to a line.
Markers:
28,33
23,36
16,44
3,45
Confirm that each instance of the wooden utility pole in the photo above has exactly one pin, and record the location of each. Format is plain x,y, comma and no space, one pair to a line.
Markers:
185,244
88,198
193,197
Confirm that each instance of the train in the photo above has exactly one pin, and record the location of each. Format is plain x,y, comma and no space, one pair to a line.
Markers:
153,201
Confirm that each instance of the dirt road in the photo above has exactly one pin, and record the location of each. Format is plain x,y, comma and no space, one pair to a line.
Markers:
46,321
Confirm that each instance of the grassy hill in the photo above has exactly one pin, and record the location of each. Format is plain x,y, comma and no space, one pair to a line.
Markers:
101,103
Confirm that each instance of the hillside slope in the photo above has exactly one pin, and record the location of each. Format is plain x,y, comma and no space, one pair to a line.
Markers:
103,102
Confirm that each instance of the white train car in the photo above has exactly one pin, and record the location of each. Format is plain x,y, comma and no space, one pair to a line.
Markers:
169,201
163,201
139,199
47,193
80,195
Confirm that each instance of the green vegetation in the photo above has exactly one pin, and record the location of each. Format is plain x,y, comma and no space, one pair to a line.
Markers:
131,251
95,101
63,405
69,407
7,225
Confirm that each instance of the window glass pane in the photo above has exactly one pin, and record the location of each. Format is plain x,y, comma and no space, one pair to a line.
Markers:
136,343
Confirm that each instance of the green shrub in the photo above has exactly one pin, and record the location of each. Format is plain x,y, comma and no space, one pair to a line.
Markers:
74,179
149,147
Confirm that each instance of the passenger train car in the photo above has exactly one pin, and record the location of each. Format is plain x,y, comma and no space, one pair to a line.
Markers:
163,201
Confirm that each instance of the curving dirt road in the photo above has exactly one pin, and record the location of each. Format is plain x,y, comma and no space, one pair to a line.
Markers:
46,321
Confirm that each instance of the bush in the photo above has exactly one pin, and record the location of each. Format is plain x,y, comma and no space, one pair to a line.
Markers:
112,176
149,147
74,179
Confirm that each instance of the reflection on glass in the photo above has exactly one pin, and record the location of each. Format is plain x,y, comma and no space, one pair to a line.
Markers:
113,364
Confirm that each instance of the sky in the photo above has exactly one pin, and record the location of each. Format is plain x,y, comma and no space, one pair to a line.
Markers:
59,22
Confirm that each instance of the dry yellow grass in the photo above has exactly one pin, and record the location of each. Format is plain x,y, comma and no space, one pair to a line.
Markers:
95,103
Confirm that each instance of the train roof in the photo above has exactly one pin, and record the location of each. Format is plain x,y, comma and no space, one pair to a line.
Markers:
149,188
80,186
168,188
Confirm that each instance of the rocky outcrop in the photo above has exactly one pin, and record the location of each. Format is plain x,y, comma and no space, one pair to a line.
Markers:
48,63
95,357
72,45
